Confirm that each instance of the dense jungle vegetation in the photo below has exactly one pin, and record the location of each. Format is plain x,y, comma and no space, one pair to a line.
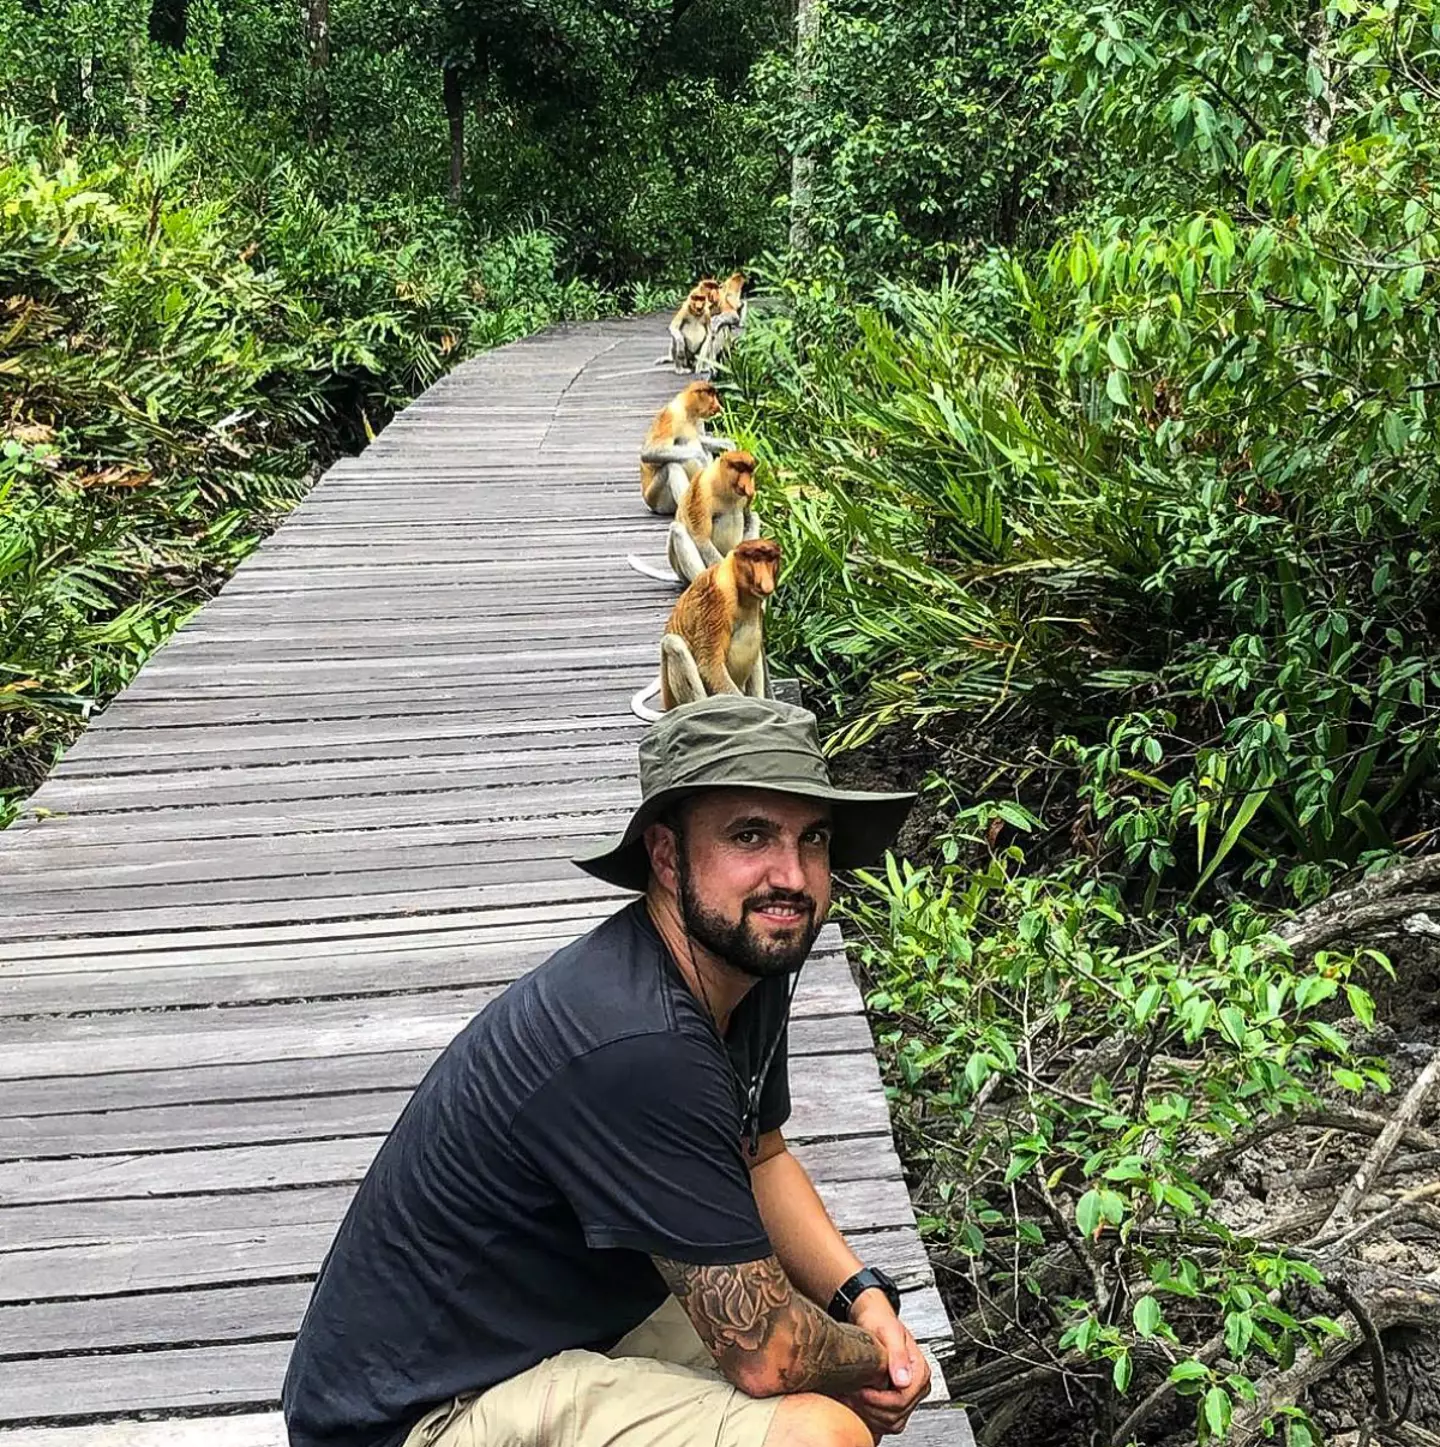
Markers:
1095,399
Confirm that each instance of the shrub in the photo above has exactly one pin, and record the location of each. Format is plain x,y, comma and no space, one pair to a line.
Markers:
176,364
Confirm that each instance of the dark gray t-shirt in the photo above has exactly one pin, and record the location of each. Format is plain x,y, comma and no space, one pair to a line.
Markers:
583,1121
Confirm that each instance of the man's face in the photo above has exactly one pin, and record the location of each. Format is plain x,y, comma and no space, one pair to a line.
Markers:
753,877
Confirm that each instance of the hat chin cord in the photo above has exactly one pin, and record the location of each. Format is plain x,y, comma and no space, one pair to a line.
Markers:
750,1123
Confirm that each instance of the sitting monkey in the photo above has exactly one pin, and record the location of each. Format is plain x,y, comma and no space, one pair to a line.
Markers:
726,319
676,446
714,641
690,329
715,515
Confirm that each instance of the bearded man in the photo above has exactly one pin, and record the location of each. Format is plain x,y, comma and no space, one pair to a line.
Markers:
586,1230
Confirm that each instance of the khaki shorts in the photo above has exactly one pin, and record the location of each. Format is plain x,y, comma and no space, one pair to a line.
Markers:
657,1387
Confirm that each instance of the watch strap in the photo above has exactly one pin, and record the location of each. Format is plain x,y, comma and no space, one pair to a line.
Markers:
863,1280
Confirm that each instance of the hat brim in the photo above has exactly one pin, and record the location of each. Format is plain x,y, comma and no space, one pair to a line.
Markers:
863,827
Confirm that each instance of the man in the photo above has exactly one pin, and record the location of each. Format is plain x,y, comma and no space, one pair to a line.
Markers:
585,1230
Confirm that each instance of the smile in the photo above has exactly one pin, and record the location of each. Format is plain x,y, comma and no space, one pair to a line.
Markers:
786,913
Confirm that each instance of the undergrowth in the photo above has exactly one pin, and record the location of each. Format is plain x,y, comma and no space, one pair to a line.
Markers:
179,354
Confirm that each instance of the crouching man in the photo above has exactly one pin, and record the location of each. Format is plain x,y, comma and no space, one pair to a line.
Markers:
586,1230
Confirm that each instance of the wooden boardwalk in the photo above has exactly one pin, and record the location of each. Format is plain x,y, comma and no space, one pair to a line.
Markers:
327,823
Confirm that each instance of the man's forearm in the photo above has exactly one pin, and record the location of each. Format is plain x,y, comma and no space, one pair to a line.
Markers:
767,1338
810,1247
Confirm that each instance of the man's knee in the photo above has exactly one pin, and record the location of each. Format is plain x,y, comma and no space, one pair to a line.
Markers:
809,1420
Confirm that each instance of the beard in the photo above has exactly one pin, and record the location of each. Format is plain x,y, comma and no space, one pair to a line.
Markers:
740,944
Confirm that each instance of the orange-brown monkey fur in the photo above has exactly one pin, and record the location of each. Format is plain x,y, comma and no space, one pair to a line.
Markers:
715,515
675,446
690,329
714,641
732,294
727,316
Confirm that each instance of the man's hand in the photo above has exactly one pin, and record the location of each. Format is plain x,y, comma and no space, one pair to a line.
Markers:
887,1409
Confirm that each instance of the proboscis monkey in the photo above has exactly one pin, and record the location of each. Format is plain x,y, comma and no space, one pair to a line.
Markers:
732,295
677,446
716,515
727,317
715,639
690,330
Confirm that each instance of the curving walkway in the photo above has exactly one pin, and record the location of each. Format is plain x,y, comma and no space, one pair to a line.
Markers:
327,823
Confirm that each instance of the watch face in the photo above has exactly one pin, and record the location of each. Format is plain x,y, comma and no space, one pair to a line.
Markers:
887,1285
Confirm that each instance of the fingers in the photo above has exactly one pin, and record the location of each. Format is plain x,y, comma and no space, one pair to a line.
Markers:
897,1342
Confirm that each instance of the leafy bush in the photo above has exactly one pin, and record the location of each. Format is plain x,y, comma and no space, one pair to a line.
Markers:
175,365
933,129
1170,493
1074,1091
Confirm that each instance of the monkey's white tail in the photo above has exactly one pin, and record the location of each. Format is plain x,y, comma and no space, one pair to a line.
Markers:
649,570
639,701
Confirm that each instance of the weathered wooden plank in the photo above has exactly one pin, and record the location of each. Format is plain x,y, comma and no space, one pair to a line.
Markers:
245,1374
181,784
169,1197
119,1042
151,752
832,1096
90,989
318,816
551,704
75,919
324,935
295,1234
253,1430
938,1426
274,939
182,862
826,988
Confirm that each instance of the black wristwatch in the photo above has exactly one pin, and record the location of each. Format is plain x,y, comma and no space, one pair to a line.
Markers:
863,1280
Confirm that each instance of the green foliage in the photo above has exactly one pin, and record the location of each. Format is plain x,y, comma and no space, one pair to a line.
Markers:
1183,473
1132,522
1079,1087
174,365
932,127
621,127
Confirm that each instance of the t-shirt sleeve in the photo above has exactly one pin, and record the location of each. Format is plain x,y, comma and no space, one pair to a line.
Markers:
642,1137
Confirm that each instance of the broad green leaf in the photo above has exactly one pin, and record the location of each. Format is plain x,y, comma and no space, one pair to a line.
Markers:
1088,1213
1147,1316
1146,1002
1189,1371
1217,1411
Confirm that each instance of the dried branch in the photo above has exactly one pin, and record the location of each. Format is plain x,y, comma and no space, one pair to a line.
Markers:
1384,884
1340,1289
1311,932
1384,1147
1410,1206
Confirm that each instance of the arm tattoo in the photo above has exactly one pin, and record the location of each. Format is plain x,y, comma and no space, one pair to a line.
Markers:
749,1315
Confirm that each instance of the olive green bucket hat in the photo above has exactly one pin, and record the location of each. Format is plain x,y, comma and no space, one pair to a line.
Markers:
734,742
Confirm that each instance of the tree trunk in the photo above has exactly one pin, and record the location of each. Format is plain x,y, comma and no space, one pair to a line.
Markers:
1320,106
317,37
169,22
802,165
455,110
